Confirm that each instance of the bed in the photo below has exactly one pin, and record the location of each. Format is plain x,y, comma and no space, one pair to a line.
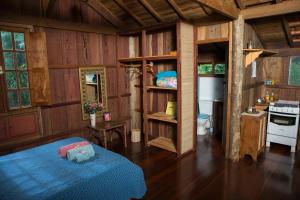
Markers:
39,173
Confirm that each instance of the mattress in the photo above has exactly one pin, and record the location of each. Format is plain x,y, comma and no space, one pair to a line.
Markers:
39,173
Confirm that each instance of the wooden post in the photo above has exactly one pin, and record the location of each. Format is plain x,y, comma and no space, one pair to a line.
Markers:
237,83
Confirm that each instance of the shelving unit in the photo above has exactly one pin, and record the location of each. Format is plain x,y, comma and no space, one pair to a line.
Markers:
159,88
283,86
173,133
253,54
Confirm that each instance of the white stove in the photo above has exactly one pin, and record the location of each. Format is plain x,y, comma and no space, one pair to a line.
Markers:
283,123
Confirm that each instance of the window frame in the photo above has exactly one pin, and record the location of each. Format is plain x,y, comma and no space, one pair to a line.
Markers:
3,81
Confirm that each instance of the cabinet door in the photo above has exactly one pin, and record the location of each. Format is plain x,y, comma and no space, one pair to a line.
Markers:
3,128
23,125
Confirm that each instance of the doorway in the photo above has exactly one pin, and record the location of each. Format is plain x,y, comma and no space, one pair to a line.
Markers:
212,76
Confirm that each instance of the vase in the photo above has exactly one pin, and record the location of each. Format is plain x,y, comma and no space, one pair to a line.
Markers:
93,119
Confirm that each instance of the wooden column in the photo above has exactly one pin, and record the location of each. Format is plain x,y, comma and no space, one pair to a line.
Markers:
237,83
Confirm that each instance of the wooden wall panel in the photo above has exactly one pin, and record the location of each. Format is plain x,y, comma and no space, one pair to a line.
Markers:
213,32
69,50
251,86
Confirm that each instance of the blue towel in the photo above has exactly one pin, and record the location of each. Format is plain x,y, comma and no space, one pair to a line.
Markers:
163,74
80,154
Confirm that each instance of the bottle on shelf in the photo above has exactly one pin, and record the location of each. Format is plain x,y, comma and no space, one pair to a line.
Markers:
272,96
267,97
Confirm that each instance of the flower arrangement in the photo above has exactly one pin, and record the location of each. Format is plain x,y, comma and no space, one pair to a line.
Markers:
92,107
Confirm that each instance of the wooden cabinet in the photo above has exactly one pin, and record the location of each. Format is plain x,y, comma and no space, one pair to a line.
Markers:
253,134
19,125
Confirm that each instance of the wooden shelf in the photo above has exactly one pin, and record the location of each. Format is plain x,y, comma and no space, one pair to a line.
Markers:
163,143
161,116
135,59
283,86
264,51
158,58
252,54
160,88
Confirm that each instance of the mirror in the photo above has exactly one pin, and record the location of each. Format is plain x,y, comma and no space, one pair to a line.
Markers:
93,87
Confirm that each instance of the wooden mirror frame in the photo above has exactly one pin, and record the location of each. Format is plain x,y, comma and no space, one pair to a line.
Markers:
99,69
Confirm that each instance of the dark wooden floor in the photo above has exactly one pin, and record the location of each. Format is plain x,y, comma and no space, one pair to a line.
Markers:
205,174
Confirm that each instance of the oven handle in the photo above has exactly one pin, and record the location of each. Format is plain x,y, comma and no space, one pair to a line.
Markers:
284,115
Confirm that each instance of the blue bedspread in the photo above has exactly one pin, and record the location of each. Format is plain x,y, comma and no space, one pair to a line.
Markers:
39,173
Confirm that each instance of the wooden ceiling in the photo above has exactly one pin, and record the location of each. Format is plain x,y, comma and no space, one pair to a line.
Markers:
142,13
282,31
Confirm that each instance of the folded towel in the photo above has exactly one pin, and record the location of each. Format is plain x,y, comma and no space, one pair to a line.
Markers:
166,74
80,154
63,150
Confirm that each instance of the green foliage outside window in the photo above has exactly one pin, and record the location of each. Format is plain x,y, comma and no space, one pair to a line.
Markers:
15,65
220,68
208,68
205,68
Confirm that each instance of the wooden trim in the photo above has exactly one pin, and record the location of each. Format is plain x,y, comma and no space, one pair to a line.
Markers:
179,90
177,9
105,12
228,10
282,8
286,52
151,10
195,87
127,10
58,24
212,41
229,94
145,98
283,86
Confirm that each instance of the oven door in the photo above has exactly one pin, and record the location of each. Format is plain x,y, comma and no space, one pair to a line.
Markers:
283,124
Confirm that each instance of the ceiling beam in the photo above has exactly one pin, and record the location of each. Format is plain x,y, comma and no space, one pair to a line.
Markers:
177,9
101,9
151,10
220,7
240,4
206,10
282,8
57,24
295,33
129,11
287,31
296,40
48,6
294,24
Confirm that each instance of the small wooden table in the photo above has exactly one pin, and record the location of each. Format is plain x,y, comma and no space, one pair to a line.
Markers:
107,127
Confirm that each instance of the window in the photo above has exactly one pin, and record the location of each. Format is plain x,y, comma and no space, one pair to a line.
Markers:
294,71
15,69
208,68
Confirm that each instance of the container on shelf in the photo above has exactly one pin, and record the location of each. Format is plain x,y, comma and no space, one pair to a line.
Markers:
135,135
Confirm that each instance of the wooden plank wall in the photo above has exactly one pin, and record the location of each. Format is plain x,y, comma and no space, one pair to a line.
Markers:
67,51
251,86
66,10
277,68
